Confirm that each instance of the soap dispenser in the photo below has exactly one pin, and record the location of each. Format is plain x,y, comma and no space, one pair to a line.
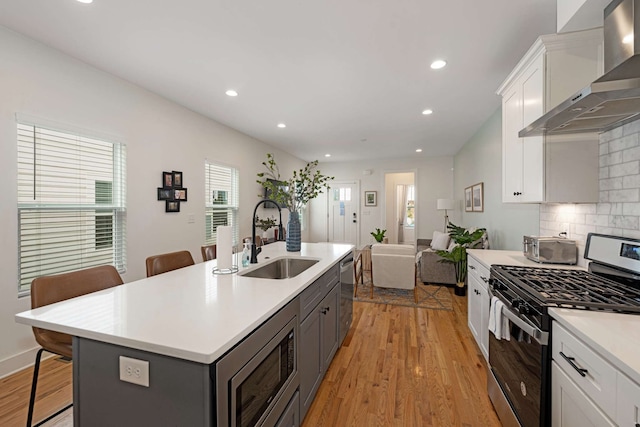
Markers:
246,253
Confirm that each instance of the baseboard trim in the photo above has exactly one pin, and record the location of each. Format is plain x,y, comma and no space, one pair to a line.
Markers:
20,361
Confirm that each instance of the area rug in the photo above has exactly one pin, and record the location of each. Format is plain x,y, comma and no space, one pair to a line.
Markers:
429,296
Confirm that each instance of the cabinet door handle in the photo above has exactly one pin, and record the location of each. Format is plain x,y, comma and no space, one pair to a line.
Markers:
325,310
484,279
570,360
472,267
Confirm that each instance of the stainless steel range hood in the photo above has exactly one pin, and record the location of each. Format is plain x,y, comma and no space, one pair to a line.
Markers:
613,99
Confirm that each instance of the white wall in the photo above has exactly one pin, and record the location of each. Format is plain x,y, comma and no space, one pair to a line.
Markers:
160,136
480,160
434,180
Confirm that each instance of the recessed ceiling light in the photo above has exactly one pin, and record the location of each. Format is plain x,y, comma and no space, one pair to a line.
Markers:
86,1
427,112
327,155
231,92
282,125
438,63
418,150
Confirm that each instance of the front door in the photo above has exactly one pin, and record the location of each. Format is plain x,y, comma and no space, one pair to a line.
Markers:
343,212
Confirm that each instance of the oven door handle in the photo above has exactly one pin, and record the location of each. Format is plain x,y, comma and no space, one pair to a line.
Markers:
538,335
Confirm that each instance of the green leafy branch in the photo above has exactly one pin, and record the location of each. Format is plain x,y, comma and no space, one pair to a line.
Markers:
294,193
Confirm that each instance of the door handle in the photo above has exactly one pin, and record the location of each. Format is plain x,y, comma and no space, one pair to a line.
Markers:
570,360
537,334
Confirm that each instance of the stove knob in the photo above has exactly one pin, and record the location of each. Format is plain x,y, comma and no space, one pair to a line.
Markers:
524,309
515,303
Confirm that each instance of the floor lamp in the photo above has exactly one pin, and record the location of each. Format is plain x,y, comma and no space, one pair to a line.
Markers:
446,205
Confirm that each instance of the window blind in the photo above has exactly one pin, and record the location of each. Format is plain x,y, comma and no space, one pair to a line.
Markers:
71,203
221,200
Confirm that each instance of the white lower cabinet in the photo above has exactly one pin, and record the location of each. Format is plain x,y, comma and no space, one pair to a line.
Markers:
586,388
628,404
570,407
478,304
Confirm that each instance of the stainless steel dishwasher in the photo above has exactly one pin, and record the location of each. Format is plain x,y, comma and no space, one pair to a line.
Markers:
346,296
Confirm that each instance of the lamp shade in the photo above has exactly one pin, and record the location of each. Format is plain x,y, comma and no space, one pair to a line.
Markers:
446,204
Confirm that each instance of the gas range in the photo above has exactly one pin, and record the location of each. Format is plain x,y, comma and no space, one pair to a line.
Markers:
530,290
520,382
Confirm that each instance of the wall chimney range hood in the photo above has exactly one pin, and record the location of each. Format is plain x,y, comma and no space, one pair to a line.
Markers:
613,99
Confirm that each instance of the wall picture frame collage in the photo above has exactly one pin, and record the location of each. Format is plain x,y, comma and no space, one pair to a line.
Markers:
172,191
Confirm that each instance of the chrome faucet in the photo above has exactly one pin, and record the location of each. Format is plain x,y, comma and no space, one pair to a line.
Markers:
254,249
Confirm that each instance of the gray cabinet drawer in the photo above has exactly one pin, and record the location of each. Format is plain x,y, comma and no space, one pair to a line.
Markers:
311,297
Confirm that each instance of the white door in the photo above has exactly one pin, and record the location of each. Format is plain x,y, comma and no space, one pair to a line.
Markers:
343,213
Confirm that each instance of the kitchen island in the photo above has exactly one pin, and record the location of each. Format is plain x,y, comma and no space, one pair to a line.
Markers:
181,323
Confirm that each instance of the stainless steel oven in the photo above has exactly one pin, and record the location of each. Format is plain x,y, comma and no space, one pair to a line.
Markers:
256,379
520,380
519,372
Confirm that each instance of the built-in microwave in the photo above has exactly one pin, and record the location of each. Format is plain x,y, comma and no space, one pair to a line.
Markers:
256,380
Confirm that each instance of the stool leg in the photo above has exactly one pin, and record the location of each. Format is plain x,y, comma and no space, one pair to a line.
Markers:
34,384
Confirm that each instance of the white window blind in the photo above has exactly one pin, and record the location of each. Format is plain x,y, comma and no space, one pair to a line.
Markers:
221,200
71,203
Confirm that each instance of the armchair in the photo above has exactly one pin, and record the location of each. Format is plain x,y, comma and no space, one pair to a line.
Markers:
393,266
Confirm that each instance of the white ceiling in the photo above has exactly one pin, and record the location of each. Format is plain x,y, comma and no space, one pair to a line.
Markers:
348,77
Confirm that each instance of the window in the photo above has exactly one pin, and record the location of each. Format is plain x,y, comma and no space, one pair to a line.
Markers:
104,217
71,202
221,200
411,207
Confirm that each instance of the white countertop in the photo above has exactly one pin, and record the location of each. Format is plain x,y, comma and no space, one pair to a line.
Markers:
615,336
188,313
489,257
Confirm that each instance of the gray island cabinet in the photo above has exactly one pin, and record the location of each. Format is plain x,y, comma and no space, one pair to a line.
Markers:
318,333
188,348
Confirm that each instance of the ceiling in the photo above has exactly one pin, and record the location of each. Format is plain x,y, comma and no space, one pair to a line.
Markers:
347,77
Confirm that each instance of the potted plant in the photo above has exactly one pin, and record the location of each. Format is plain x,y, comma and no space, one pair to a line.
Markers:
265,224
378,235
294,193
463,239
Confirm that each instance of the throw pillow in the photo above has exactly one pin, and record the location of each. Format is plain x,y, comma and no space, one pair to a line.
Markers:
451,246
440,241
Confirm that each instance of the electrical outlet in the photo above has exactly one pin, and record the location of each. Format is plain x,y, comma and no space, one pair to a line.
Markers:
134,371
191,219
564,228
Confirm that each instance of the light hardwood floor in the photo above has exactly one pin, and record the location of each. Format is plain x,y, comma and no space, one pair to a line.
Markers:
398,366
401,366
54,392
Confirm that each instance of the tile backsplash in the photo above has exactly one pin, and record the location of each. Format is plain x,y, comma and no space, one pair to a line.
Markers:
618,209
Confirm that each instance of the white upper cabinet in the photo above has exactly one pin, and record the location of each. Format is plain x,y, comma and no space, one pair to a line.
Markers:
542,169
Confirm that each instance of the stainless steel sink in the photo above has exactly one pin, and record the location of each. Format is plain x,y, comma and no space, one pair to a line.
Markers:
281,268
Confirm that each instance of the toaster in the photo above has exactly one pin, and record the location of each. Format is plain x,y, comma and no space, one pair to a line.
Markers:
550,250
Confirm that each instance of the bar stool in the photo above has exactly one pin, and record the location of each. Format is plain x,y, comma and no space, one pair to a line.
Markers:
208,252
158,264
47,290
